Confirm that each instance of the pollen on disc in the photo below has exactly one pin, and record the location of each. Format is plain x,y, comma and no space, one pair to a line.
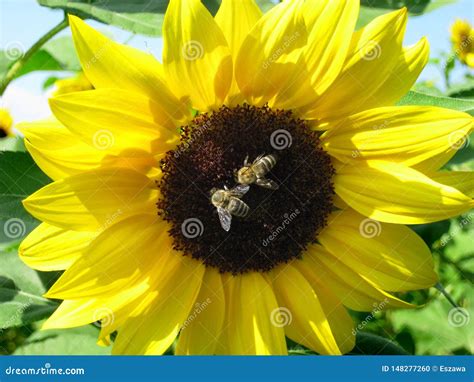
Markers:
281,222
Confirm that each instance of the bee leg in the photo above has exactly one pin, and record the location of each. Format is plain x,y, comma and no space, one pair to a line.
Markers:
267,183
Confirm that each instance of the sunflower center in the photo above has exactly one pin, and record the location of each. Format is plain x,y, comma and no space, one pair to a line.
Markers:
287,202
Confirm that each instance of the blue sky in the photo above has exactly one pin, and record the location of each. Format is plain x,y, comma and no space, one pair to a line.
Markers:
24,21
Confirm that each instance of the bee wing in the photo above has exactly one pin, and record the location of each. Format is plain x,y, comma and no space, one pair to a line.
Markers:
258,158
267,183
225,218
240,190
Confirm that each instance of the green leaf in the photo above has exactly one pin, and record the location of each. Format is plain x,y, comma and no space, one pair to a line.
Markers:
416,98
56,55
371,9
138,16
12,144
21,290
19,178
413,6
19,308
463,90
41,60
77,341
64,52
49,82
371,344
438,329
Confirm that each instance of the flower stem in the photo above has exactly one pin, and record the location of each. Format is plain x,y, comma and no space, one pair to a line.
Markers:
16,67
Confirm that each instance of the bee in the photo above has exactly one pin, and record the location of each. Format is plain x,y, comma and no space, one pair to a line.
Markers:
255,172
228,203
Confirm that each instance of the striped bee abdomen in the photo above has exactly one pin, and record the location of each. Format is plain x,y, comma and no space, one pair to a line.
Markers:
264,165
237,207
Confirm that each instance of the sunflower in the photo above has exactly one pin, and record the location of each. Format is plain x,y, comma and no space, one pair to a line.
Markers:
462,38
135,162
6,123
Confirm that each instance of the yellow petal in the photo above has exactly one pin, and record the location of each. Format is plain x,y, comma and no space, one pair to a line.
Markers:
93,200
108,64
57,151
327,40
116,120
393,193
250,328
155,329
200,332
392,256
355,291
236,18
434,163
407,135
373,54
267,60
408,67
119,256
460,180
73,313
339,319
60,153
301,312
48,248
196,56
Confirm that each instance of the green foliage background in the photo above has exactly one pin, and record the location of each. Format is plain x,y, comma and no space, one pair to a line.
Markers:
425,330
